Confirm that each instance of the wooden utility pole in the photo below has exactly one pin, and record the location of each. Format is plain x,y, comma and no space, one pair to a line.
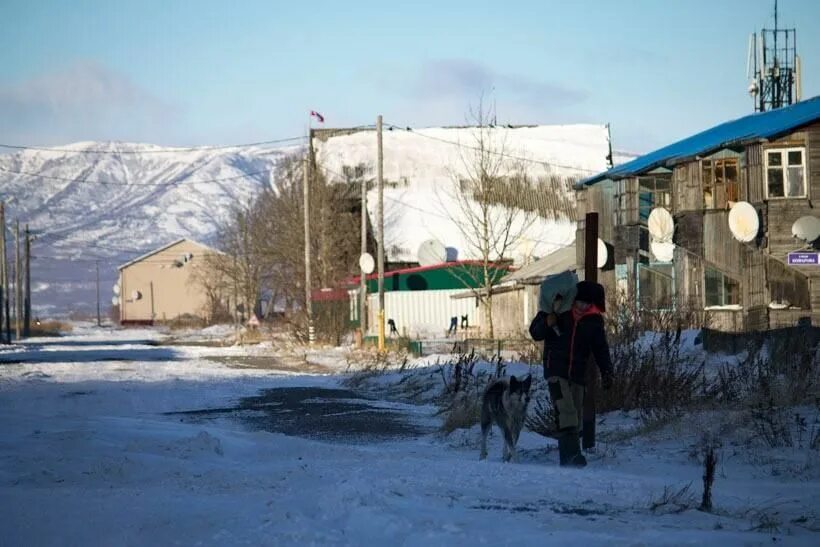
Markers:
27,287
590,274
308,296
6,283
380,220
363,282
3,280
99,319
18,274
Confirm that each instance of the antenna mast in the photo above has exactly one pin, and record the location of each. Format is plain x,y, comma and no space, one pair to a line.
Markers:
773,68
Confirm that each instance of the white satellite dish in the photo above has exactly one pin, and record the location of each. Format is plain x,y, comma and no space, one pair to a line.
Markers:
663,251
744,222
661,225
431,252
603,253
115,300
116,289
136,295
366,263
806,228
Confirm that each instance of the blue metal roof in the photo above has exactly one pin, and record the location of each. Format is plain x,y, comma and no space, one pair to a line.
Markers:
752,128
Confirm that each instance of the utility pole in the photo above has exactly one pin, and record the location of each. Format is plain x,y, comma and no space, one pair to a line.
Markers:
27,287
99,321
6,283
363,284
18,273
308,296
3,280
590,274
380,181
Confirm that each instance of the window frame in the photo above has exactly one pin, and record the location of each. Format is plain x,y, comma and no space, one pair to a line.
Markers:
784,154
655,269
653,191
713,164
723,278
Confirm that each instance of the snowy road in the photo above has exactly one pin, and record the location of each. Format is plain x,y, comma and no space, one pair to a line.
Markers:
102,444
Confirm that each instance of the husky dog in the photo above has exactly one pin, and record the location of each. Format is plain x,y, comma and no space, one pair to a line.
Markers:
505,401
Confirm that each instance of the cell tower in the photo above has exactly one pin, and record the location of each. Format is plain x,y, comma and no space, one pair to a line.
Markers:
773,67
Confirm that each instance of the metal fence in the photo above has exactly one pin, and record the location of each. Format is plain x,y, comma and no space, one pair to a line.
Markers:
508,348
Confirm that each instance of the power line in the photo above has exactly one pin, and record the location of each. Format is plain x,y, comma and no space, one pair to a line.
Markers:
160,184
159,151
408,129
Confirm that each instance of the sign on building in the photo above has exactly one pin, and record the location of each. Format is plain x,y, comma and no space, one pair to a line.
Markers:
804,259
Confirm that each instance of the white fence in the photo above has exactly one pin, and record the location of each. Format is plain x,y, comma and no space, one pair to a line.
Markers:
421,313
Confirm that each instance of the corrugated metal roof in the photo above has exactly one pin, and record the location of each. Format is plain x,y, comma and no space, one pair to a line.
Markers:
752,128
561,260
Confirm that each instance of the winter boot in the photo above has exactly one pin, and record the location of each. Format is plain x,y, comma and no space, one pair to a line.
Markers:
564,448
571,455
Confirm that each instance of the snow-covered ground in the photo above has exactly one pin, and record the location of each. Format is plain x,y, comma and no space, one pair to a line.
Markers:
89,455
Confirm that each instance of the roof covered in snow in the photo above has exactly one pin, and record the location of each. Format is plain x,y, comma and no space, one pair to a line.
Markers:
752,128
534,273
421,165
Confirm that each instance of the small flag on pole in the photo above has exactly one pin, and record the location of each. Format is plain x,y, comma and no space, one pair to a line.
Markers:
317,116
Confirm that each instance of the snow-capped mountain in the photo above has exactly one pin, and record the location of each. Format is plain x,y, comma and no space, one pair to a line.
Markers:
112,201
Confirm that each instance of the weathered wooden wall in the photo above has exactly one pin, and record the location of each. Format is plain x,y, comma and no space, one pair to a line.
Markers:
752,187
720,249
513,311
687,193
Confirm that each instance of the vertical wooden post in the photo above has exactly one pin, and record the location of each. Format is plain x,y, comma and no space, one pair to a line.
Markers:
380,180
27,287
3,279
363,281
590,274
308,295
18,283
99,319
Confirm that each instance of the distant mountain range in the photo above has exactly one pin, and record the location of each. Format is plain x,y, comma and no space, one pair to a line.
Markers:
112,201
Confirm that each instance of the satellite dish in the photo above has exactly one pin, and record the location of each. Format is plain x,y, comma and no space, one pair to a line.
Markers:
115,300
431,252
136,295
116,289
744,222
806,228
603,253
661,225
366,263
663,251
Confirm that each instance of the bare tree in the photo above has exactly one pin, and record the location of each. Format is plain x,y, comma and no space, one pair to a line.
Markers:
209,275
275,236
241,265
477,202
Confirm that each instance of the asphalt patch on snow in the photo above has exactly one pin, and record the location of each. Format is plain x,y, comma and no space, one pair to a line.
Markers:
319,413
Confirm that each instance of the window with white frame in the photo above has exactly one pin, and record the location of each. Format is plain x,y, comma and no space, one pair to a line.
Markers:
786,173
721,290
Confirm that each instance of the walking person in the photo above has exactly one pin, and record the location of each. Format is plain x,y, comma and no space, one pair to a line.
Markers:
570,337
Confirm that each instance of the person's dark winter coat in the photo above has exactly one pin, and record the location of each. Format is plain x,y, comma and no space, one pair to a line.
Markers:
555,338
567,347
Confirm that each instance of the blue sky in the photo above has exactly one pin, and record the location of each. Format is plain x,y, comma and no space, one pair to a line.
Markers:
212,72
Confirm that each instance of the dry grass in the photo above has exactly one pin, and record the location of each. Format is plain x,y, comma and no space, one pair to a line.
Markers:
464,413
50,328
185,322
